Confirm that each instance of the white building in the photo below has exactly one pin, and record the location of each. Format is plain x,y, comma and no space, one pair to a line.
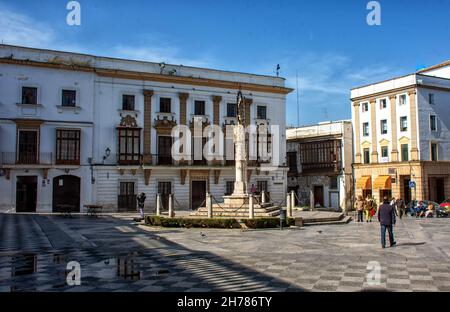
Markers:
78,129
320,161
402,136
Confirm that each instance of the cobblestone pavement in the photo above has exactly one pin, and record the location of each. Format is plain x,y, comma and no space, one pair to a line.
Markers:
117,255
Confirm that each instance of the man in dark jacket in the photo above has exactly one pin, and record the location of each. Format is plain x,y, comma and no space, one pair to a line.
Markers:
386,216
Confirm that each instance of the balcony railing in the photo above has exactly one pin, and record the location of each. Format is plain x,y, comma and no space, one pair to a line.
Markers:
334,167
12,158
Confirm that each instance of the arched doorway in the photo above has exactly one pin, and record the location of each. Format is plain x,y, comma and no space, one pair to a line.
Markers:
66,193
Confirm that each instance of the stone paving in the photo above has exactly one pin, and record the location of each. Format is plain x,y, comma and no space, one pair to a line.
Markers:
117,254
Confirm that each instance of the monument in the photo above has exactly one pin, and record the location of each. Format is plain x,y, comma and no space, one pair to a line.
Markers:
237,204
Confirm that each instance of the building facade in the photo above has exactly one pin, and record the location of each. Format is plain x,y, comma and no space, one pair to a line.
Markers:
320,161
402,136
78,129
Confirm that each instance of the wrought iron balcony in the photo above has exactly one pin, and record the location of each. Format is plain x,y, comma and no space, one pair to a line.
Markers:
13,158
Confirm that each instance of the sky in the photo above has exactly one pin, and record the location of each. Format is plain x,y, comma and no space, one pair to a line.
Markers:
329,44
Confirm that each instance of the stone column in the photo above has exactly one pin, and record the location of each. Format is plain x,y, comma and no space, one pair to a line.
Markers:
373,121
171,214
394,152
239,139
263,197
288,203
216,109
357,126
147,126
413,125
183,110
292,200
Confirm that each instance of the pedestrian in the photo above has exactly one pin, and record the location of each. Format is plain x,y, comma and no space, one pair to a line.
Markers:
430,210
369,208
386,216
393,201
359,207
141,203
400,207
253,189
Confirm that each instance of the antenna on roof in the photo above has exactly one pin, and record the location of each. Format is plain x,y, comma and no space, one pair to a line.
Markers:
278,70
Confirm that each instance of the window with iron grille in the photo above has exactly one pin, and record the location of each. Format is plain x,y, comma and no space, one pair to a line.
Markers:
69,98
262,186
165,105
199,108
29,95
128,102
67,147
334,182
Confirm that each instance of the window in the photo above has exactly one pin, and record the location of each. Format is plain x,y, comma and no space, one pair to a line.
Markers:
384,126
229,188
231,110
128,102
365,107
262,186
366,154
28,147
334,182
165,105
67,147
29,95
402,99
199,108
292,161
129,146
405,152
384,152
431,98
433,123
383,103
69,98
261,112
434,152
403,124
366,129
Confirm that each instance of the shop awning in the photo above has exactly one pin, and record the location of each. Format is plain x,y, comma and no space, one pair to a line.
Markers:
364,183
382,183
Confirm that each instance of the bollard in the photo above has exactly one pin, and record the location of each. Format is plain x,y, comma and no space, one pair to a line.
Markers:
263,197
158,204
251,207
170,206
289,213
288,203
209,205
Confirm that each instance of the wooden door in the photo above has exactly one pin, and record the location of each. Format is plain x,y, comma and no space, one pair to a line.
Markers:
127,197
66,192
164,150
164,189
26,194
198,194
318,195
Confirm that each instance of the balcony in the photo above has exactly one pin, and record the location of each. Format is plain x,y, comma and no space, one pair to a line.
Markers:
13,158
329,167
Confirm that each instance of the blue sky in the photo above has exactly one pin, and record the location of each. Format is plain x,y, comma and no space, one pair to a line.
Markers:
328,42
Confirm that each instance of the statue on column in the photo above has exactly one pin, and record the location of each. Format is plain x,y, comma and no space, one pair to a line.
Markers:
240,148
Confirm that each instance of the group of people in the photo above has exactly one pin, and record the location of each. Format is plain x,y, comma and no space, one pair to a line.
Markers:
387,214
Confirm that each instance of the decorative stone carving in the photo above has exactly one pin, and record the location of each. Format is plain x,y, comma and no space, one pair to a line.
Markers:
128,122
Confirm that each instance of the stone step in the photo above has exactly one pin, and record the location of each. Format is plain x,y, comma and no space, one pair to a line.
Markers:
236,214
344,220
230,209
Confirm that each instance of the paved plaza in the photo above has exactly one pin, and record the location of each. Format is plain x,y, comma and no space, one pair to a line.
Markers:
116,254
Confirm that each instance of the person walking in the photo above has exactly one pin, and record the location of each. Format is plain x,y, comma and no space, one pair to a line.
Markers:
359,207
141,203
400,207
369,207
386,216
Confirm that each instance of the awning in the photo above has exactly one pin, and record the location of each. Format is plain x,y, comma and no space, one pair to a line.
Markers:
382,183
364,183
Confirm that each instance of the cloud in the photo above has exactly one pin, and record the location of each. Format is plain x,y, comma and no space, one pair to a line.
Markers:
20,29
167,54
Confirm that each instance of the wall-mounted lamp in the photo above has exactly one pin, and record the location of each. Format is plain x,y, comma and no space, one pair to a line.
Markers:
107,153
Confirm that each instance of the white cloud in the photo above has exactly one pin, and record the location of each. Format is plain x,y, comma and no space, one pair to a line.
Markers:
19,29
